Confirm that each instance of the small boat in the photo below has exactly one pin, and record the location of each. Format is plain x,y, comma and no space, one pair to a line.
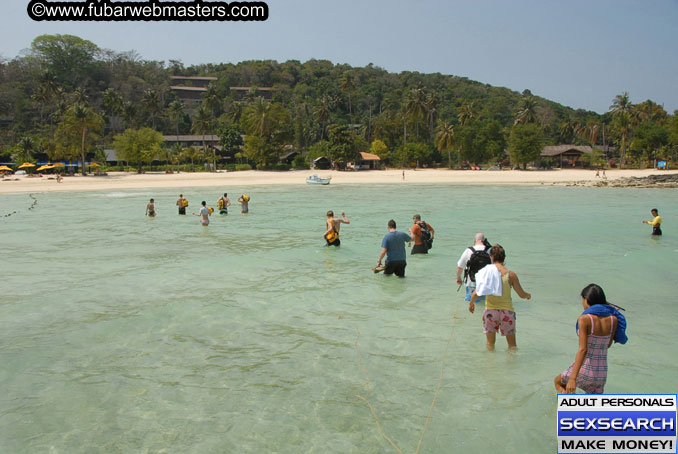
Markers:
315,179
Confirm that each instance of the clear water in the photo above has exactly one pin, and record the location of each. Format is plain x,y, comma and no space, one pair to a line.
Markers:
124,334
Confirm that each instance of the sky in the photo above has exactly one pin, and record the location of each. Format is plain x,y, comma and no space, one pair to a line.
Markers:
578,53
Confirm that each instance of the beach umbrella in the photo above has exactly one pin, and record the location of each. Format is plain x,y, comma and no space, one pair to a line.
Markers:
26,165
93,164
5,168
58,164
45,167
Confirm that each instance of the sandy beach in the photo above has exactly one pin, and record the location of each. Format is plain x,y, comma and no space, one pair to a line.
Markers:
123,180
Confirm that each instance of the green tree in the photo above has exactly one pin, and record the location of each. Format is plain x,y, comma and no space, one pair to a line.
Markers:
525,143
267,128
345,144
79,127
527,112
152,102
138,146
68,58
379,148
347,84
621,113
444,140
202,124
466,114
26,147
175,112
649,137
230,138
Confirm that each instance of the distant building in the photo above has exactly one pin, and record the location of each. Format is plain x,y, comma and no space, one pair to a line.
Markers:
368,161
239,93
321,163
211,140
189,89
569,153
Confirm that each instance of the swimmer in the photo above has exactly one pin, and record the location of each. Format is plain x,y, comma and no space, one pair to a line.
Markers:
150,209
656,223
205,213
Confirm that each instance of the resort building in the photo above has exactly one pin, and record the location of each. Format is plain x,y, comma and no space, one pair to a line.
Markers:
240,93
189,89
569,154
368,161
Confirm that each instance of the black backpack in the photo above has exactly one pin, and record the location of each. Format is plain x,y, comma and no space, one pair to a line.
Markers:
425,235
479,260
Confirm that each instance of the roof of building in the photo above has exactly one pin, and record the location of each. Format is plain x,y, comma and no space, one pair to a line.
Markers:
191,138
369,156
181,87
250,88
193,78
555,150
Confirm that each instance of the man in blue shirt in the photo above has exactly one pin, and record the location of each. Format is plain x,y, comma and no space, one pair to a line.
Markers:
393,247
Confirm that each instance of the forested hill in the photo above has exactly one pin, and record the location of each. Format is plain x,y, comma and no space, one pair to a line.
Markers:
313,100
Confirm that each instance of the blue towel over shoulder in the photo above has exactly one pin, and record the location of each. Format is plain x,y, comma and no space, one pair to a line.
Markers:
605,310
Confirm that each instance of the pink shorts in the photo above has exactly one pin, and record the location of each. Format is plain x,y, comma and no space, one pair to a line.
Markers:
499,320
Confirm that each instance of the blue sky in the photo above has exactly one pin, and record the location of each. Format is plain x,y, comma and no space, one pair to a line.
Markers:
579,53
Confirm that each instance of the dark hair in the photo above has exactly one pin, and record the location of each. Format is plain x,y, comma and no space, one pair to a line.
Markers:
204,203
594,294
151,200
181,195
391,224
417,217
225,195
497,253
654,209
330,213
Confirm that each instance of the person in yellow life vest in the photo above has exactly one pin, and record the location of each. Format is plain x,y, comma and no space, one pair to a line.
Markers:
223,204
182,204
244,201
333,225
655,223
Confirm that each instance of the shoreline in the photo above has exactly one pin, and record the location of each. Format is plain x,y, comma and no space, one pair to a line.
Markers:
159,180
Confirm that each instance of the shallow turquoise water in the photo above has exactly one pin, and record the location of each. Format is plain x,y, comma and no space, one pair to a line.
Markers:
120,333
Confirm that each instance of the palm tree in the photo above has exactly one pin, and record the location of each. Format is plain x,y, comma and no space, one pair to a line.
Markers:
466,114
175,111
26,145
212,100
347,84
566,130
152,104
621,104
528,112
321,113
621,111
589,132
113,103
432,112
256,117
129,112
81,120
415,106
444,140
42,96
202,123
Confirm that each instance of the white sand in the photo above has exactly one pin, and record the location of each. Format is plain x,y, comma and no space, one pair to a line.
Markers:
122,180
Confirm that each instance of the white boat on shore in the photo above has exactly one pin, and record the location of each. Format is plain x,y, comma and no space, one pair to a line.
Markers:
315,179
